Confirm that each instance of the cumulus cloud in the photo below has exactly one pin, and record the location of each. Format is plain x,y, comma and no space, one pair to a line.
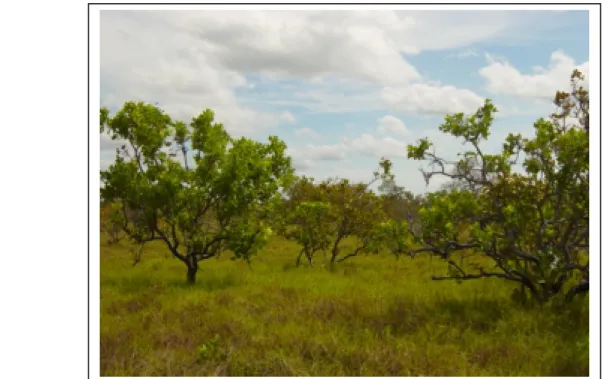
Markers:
306,132
431,99
256,68
371,146
287,117
188,61
503,78
172,69
366,145
306,44
303,165
464,54
335,152
390,124
305,158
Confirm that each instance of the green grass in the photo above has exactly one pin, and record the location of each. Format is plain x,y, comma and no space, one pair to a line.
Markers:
371,316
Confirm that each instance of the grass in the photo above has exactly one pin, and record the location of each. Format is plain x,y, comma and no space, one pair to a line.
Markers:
371,316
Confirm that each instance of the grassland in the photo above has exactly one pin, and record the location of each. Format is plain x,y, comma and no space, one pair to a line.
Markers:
371,316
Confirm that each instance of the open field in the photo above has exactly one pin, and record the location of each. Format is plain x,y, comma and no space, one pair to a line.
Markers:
372,316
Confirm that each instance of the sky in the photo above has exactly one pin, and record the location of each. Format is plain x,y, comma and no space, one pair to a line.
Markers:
343,88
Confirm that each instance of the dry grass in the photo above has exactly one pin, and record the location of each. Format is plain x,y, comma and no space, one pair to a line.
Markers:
372,316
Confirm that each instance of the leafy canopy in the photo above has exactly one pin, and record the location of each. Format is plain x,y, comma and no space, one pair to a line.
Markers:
192,186
322,215
533,227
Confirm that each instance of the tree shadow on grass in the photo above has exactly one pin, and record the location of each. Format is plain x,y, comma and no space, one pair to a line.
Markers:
407,316
134,285
143,284
478,314
209,282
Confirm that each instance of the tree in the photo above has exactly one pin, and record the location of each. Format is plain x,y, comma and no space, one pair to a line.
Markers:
470,167
109,223
323,215
310,222
194,188
532,227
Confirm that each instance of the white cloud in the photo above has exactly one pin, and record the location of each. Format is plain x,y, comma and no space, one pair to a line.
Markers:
503,78
371,146
189,61
390,124
306,132
464,54
334,96
431,99
322,61
300,162
366,145
304,158
303,165
287,117
173,69
309,44
335,152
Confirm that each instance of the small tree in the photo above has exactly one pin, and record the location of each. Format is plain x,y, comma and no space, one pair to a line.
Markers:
110,223
310,228
193,187
331,212
356,212
534,227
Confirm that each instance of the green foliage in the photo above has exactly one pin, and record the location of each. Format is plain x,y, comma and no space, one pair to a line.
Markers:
193,191
323,215
391,235
445,213
418,151
311,228
208,350
193,187
533,227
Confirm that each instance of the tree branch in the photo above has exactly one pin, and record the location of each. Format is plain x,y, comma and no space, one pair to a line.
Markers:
355,253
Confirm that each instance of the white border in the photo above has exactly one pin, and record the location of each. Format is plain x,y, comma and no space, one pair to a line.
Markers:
95,161
43,213
94,70
594,318
542,6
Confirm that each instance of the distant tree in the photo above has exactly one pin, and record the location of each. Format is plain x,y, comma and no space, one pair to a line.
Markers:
109,224
357,212
323,215
192,187
534,228
310,229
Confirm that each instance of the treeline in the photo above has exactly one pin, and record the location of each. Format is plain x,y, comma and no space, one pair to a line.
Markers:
201,192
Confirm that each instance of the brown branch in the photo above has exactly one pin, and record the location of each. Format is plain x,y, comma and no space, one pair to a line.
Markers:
138,255
355,253
475,276
171,247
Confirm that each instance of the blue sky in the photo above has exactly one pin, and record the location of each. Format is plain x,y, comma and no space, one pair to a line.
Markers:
343,88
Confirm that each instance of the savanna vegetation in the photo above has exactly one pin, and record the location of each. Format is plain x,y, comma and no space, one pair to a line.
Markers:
216,259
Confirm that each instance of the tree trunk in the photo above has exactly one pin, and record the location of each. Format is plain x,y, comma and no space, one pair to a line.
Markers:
193,267
333,258
308,255
299,258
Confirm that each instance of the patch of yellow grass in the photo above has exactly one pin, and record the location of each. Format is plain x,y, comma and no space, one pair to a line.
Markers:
370,316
